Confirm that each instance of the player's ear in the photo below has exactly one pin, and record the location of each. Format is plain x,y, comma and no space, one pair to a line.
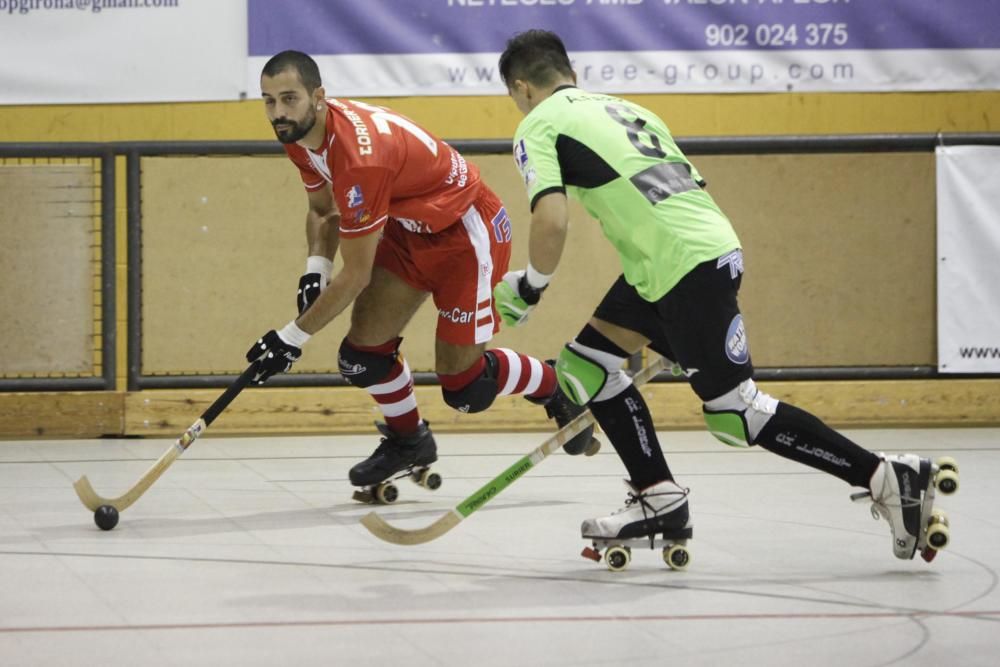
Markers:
319,95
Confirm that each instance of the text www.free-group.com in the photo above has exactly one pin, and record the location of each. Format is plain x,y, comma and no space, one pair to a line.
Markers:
979,352
672,74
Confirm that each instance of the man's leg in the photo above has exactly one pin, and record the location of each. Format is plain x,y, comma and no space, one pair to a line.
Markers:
705,327
467,262
590,371
369,356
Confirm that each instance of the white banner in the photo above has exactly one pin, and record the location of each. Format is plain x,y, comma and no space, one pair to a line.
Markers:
450,47
85,51
636,72
968,241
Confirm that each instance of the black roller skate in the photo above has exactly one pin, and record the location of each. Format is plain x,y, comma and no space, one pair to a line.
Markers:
559,407
396,457
654,517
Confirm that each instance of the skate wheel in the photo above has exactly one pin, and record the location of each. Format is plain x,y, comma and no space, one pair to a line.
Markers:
386,493
938,534
430,480
617,558
676,556
593,447
947,463
946,481
591,553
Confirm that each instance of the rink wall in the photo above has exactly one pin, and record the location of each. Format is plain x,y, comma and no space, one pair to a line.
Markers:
839,250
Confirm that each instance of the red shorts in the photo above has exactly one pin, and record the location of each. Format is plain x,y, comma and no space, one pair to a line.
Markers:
459,266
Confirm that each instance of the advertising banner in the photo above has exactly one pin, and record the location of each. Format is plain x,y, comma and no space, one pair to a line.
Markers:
968,240
450,47
92,51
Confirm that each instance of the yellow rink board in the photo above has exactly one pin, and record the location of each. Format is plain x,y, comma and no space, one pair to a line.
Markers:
167,412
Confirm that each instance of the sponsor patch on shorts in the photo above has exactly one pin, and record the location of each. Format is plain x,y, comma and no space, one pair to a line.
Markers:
737,345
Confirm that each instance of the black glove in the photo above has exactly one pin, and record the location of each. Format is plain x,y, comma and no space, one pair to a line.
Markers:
531,295
313,282
274,356
309,289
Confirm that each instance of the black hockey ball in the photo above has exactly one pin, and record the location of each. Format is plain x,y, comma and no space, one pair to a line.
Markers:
106,517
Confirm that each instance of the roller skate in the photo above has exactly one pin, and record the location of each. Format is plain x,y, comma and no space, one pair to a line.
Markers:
654,517
396,457
902,493
559,407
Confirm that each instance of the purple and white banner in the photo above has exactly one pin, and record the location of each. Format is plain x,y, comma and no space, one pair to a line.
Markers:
450,47
968,246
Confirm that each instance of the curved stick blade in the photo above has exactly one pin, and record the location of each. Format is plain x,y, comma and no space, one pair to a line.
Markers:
377,526
85,492
92,501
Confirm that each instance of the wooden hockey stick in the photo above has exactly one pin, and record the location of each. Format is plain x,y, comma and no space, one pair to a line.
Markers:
378,527
92,501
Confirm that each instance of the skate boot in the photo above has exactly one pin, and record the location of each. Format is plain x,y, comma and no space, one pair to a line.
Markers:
396,457
655,517
902,493
559,407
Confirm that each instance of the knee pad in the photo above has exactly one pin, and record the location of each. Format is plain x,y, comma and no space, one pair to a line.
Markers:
737,417
478,394
586,374
362,368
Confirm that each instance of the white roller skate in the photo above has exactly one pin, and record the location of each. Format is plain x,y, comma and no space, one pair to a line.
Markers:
902,492
655,517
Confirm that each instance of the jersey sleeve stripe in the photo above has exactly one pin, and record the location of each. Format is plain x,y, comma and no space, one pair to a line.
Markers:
546,191
355,230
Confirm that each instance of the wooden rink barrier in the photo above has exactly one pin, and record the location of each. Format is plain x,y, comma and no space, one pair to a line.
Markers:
47,254
835,246
165,413
839,257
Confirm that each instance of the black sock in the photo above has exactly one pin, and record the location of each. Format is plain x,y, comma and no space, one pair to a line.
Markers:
626,421
797,435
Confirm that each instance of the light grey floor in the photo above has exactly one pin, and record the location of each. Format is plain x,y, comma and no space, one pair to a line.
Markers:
249,552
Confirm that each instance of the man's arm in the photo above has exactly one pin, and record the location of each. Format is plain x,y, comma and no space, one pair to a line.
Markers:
358,255
519,291
322,239
549,224
322,224
276,351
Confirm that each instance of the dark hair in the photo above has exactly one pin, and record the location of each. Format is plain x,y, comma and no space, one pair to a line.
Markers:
536,56
306,67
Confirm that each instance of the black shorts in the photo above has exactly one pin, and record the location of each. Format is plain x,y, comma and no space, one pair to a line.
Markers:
696,324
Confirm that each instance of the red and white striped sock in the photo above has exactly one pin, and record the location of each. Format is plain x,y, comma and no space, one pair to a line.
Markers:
394,394
520,374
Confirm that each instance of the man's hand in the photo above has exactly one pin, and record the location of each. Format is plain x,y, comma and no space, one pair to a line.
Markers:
309,289
274,354
313,281
515,298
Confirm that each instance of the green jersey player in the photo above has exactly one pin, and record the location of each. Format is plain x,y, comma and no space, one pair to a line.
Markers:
681,271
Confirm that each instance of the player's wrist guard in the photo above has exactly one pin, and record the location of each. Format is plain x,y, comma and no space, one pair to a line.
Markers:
528,292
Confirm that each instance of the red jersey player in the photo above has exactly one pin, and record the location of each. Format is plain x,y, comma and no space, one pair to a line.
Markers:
410,218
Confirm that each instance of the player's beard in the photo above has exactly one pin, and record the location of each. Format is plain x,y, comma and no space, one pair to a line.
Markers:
295,130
